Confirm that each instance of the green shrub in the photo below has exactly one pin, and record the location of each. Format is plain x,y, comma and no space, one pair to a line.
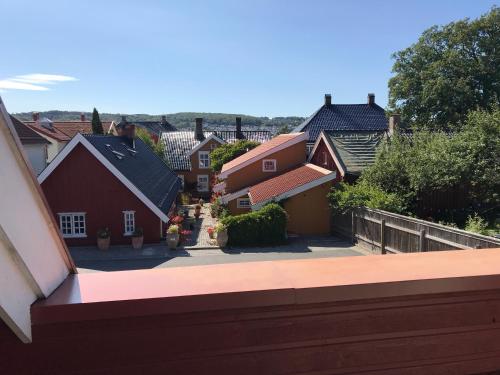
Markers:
344,197
476,224
266,226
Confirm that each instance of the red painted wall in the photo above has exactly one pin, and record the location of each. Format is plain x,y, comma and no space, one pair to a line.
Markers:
318,158
82,184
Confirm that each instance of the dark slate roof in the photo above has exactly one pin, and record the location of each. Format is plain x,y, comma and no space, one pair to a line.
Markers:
178,145
141,166
156,127
26,134
355,150
345,117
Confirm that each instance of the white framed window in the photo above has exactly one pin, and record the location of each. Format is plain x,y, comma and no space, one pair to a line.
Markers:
204,159
202,182
72,224
243,203
181,176
309,149
129,222
269,165
325,158
213,146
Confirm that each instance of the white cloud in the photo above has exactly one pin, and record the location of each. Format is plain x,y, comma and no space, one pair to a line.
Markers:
33,82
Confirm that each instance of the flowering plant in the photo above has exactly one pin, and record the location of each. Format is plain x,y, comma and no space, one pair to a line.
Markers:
177,220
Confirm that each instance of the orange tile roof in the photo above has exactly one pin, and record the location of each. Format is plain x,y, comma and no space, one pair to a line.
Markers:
65,130
285,182
264,147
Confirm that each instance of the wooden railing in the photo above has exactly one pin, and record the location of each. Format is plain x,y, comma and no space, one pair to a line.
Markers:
386,232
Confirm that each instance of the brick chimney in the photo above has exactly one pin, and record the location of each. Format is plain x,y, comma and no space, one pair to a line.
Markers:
328,99
239,134
82,117
35,116
371,99
198,129
163,120
394,122
126,129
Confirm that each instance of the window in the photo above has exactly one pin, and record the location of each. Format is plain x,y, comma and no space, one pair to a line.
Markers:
129,221
309,149
204,158
182,182
202,182
268,165
325,158
243,203
213,146
72,224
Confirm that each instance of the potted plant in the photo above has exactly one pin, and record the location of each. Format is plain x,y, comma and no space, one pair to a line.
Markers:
201,202
178,220
210,231
137,238
103,238
221,234
197,211
173,236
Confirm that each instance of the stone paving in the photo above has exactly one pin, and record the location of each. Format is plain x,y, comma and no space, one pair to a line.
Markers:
199,238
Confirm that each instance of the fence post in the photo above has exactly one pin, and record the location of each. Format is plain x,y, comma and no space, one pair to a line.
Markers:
421,241
353,225
382,236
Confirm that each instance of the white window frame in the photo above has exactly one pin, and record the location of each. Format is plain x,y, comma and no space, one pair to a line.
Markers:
309,149
239,205
128,222
264,165
213,146
72,222
200,164
181,176
198,183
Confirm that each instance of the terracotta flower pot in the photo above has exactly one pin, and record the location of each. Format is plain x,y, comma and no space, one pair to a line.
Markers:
137,242
103,243
172,240
222,238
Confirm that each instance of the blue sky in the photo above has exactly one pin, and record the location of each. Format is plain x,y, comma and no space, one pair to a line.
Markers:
265,58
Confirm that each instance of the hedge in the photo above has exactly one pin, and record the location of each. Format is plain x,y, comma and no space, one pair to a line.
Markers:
266,226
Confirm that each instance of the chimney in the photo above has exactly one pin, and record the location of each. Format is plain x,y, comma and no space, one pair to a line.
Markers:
328,99
126,129
163,120
371,99
394,122
239,134
36,116
82,117
198,129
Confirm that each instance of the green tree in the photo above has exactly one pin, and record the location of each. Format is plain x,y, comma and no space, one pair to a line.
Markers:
450,71
283,129
96,123
228,152
157,147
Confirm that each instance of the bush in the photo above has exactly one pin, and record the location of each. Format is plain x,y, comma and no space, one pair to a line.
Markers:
266,226
476,224
344,197
228,152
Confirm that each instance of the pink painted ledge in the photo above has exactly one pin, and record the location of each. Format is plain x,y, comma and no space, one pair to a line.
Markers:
105,295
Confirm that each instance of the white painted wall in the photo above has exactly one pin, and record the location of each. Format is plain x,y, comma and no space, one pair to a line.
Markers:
37,155
33,257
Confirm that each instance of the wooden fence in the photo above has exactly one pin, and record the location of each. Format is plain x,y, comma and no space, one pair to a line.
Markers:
386,232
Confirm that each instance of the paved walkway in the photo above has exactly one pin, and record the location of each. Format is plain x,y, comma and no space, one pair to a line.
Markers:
90,259
199,238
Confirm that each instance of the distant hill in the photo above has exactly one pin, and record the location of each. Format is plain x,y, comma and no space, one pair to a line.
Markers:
180,120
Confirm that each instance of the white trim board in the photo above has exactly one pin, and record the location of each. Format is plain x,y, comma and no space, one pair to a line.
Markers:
322,136
300,189
124,180
205,141
225,199
299,138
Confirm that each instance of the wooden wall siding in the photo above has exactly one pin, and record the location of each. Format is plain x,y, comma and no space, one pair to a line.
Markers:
404,234
82,184
319,158
252,174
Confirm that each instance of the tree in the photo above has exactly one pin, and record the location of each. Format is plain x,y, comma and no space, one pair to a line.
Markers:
96,123
157,147
228,152
450,71
283,130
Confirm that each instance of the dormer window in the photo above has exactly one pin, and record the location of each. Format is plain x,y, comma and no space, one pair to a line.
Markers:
269,165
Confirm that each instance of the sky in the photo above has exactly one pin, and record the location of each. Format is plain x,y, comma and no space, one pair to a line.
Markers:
260,57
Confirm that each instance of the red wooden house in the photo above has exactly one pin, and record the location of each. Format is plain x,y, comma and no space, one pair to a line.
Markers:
114,182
